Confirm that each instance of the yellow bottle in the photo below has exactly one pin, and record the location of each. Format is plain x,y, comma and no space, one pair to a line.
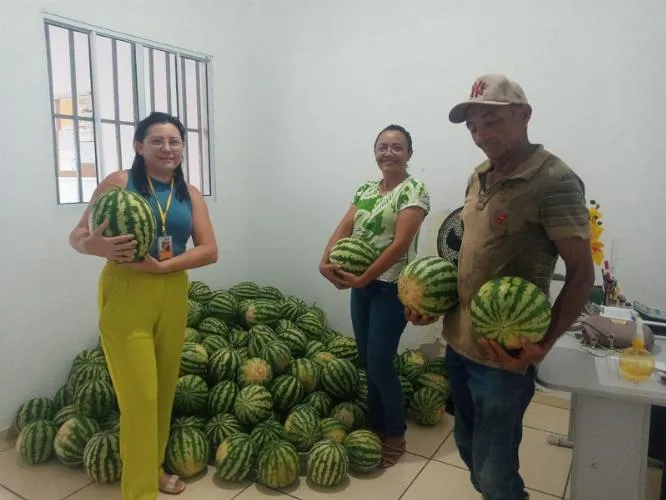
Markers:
637,363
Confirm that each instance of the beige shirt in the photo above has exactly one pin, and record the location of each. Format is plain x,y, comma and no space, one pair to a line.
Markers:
509,230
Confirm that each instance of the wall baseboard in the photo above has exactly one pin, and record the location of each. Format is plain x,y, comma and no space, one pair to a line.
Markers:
7,438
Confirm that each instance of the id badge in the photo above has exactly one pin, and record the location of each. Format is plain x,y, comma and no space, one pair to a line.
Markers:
165,247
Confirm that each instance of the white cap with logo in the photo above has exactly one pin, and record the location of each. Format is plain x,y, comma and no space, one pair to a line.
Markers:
494,90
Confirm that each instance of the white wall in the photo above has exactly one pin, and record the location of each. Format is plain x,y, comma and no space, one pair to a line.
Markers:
48,291
341,70
301,89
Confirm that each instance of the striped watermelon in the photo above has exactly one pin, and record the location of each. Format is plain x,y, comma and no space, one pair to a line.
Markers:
72,438
319,312
261,312
362,387
339,378
434,381
329,334
313,347
353,255
193,360
437,365
188,421
308,372
333,429
258,339
187,452
35,441
220,427
191,395
284,323
266,432
311,324
195,313
245,290
506,309
62,398
110,421
344,348
239,338
213,326
223,365
277,465
101,457
193,335
235,457
253,404
364,449
223,305
64,414
411,363
407,389
327,464
321,358
270,293
213,343
127,213
254,371
34,409
199,292
301,428
278,355
295,339
88,365
292,308
287,392
221,397
95,399
429,286
428,406
349,414
320,401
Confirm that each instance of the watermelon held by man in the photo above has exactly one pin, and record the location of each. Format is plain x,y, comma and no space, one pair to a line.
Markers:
127,213
509,309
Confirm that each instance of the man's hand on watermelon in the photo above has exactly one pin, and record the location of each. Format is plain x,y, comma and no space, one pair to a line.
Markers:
117,248
418,319
529,354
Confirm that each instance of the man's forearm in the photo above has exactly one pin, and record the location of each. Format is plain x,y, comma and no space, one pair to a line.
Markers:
568,306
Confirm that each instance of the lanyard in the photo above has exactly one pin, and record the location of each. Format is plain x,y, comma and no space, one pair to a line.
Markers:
163,213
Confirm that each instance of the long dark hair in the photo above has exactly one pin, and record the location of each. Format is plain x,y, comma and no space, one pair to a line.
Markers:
138,171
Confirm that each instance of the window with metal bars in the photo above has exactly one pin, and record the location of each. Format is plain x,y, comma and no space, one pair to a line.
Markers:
102,83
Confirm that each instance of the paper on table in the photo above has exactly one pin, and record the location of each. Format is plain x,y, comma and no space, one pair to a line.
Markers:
608,371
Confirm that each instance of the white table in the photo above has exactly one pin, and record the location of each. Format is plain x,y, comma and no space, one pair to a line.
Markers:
609,425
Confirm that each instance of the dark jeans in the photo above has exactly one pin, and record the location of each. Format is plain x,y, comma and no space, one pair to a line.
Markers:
489,408
378,319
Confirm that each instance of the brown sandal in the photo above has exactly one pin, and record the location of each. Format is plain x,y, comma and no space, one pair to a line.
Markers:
392,449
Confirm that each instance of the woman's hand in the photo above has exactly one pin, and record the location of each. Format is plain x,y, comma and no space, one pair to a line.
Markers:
116,248
330,272
148,265
351,280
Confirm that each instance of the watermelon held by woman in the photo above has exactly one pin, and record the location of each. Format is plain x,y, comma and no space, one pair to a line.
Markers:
510,308
127,213
429,286
353,255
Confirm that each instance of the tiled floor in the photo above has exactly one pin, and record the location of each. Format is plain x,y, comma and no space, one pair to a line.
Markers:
431,470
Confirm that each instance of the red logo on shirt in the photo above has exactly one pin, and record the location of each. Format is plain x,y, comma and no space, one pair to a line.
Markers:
501,218
477,89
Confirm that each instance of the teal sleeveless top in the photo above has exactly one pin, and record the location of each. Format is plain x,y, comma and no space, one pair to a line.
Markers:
178,219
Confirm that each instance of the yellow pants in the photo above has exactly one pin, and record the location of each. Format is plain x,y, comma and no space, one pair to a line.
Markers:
142,329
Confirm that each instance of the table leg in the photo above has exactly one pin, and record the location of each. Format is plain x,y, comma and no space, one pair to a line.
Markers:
610,452
561,441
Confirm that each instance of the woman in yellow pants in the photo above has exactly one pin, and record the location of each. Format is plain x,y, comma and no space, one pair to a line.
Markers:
143,305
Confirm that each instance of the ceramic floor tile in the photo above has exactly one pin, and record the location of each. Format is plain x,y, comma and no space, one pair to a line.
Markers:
537,495
547,418
29,481
448,453
258,492
443,482
7,495
380,484
553,398
425,441
543,467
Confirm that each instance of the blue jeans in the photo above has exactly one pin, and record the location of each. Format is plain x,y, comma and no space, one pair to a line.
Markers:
378,319
489,408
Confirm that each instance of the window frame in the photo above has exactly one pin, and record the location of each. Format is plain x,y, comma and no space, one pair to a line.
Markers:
204,84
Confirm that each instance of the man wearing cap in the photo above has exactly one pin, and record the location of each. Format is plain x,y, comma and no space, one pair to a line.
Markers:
523,208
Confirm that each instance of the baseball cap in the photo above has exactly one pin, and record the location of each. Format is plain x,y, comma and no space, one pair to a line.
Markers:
495,90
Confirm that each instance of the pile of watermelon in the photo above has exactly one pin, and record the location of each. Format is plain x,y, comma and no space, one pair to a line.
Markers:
267,391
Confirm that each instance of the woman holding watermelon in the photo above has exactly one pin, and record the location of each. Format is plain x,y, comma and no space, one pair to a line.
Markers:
386,213
142,304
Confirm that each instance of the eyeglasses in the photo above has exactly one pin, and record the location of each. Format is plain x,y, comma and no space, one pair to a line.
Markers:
158,143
